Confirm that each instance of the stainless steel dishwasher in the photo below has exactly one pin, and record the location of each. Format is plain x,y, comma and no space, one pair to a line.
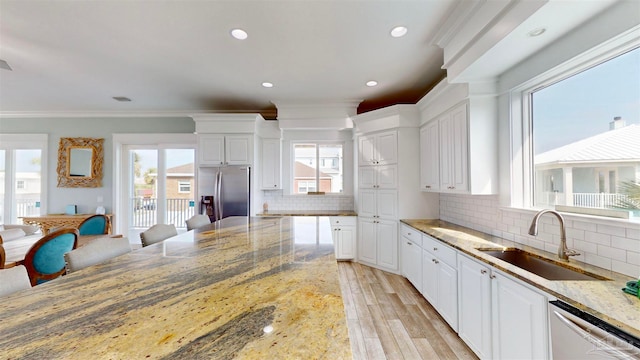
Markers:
576,334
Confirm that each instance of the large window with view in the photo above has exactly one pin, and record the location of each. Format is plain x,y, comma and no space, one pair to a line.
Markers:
586,139
317,167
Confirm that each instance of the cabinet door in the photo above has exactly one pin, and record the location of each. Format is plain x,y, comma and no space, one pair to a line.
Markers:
366,177
367,203
270,164
460,141
429,277
237,149
367,247
346,242
412,262
448,294
519,320
387,148
387,237
386,204
211,149
366,150
387,177
474,306
430,157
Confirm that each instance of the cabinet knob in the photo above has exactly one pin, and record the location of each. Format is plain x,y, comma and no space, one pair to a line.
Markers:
409,233
221,163
492,276
428,186
435,249
408,242
436,261
275,185
483,271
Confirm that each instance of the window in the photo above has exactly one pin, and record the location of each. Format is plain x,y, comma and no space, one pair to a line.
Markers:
20,185
317,167
184,186
585,144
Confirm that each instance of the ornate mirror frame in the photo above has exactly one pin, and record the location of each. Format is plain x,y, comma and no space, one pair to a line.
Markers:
64,157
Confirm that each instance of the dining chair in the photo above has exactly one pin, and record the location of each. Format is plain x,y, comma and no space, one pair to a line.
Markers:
45,259
197,220
3,256
95,252
157,233
14,279
95,225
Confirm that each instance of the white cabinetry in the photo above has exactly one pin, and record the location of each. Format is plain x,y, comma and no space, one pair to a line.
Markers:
378,177
411,245
343,229
216,150
454,173
500,318
440,279
378,149
430,157
271,177
378,244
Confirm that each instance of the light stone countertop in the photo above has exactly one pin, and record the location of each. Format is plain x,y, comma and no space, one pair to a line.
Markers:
205,294
308,213
602,299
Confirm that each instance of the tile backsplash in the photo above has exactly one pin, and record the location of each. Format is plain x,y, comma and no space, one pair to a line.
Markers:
609,244
277,201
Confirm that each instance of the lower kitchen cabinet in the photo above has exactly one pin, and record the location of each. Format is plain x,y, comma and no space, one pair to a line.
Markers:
343,230
440,279
500,318
378,243
411,245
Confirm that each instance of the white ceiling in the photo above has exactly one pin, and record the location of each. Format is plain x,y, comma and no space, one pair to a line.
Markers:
179,57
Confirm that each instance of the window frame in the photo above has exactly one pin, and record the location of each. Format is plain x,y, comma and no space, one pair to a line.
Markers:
521,112
182,183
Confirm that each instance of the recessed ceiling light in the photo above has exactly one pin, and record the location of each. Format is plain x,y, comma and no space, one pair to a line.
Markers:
372,83
267,84
121,98
399,31
536,32
239,34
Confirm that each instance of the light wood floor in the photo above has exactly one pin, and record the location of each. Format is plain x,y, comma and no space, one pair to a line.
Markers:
389,319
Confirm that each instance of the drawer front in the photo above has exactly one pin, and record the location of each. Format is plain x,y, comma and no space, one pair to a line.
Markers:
343,220
411,234
441,250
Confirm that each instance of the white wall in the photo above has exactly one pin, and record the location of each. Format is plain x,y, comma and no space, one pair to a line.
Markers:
86,198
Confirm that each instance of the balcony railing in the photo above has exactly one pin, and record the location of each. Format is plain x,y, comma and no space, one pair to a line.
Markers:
598,200
144,212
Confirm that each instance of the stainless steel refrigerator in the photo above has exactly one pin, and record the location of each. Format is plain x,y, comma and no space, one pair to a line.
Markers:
232,191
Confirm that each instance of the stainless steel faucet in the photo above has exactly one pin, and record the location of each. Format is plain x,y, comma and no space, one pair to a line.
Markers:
563,251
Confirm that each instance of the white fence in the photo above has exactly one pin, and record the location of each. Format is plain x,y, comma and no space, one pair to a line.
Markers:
144,212
598,200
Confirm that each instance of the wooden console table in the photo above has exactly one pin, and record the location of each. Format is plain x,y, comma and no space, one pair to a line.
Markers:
52,221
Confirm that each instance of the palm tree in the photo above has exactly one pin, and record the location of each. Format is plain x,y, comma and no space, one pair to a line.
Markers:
632,199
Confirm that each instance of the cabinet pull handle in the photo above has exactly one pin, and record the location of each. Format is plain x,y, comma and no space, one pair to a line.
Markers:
483,271
435,249
436,261
492,276
408,242
428,186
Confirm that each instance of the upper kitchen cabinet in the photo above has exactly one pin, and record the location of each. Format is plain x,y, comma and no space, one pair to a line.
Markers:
378,149
459,140
271,164
226,139
217,150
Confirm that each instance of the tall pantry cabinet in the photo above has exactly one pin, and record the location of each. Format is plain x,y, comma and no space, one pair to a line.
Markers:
387,182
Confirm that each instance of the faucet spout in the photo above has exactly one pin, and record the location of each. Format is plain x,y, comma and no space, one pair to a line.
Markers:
563,251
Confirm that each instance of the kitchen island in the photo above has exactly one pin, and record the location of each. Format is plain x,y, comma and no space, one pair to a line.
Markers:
239,288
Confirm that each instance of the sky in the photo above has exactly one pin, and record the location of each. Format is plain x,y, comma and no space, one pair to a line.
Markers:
584,105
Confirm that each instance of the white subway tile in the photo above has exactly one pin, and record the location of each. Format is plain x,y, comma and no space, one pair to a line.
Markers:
612,253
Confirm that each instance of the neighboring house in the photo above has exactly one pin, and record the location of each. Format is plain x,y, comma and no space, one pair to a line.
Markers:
305,179
180,182
587,173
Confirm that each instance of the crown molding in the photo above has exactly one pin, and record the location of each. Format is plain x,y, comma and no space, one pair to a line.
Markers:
126,114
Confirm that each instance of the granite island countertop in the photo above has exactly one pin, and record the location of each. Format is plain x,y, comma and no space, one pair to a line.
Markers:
308,213
603,299
239,288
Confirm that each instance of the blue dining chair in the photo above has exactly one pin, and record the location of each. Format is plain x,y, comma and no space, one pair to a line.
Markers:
45,259
95,225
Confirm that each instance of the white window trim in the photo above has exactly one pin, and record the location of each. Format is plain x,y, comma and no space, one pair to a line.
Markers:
182,183
520,111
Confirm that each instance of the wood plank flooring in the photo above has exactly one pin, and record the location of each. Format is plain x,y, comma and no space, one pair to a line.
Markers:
389,319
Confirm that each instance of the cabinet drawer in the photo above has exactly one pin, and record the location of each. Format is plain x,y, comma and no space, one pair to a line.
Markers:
439,249
343,220
411,234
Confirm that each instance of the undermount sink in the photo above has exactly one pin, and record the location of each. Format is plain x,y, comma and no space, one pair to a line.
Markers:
542,267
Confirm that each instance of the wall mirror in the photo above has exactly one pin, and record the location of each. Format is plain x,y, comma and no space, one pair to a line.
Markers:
80,162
